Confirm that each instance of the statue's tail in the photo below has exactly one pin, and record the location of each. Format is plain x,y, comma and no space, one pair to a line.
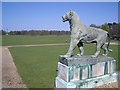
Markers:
108,37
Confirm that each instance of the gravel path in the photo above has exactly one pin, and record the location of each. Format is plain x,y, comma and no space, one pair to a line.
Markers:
112,43
59,44
10,76
112,85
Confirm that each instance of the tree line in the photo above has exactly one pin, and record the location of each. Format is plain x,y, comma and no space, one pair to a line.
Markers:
36,32
112,28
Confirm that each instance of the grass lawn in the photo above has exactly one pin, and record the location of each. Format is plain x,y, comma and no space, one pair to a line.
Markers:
37,39
37,65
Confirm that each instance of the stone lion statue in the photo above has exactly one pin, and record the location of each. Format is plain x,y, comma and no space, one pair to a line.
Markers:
81,34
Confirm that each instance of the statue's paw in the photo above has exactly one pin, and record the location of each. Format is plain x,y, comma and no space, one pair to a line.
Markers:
93,56
78,54
81,54
104,54
110,50
66,56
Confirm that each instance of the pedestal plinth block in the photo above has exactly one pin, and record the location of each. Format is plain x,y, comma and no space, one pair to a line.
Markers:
85,71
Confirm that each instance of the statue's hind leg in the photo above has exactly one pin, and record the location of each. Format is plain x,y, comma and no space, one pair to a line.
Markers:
97,50
73,44
104,47
80,46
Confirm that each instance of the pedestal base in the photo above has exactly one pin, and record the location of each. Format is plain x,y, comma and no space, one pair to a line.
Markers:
85,72
87,83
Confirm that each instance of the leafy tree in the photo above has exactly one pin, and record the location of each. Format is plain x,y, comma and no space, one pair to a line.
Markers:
93,25
105,27
3,32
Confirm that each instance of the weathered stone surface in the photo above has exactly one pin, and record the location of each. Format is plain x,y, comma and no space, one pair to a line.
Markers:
81,60
84,71
74,73
98,69
88,83
63,71
111,66
81,34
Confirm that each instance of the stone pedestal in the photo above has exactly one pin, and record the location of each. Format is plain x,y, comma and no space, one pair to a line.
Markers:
85,71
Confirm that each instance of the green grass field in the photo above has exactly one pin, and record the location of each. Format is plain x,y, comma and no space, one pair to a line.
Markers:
28,40
37,65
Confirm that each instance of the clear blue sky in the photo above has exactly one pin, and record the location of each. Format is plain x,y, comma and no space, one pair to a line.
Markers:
47,16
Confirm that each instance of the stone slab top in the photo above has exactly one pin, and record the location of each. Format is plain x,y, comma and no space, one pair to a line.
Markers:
82,60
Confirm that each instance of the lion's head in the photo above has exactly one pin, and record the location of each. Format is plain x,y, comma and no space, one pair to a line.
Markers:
67,16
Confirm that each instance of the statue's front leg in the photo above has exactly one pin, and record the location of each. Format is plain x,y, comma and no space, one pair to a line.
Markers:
81,49
73,44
